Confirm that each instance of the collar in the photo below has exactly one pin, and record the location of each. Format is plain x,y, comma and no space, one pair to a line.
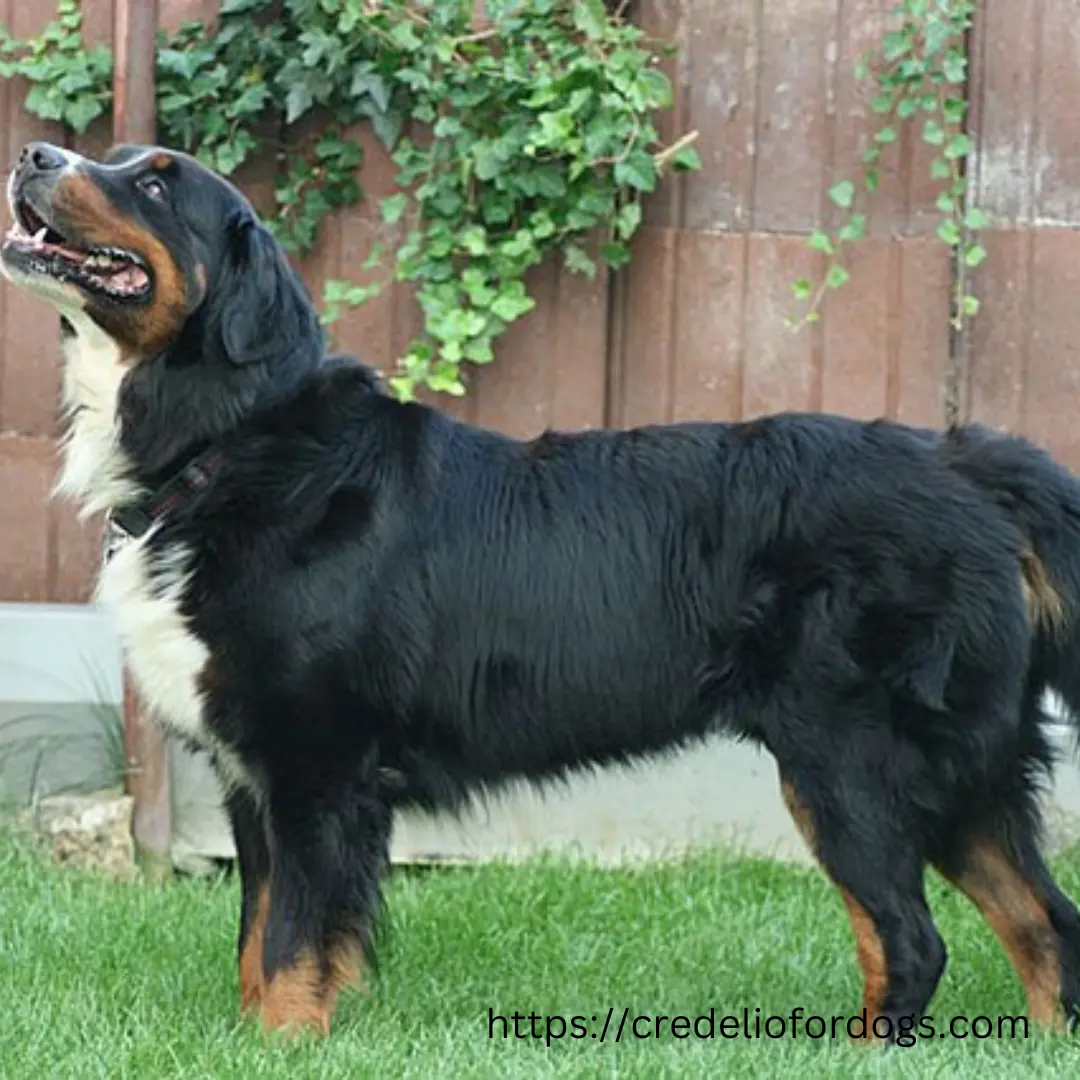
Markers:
182,487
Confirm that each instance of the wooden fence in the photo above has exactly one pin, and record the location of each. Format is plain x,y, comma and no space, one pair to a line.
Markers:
694,327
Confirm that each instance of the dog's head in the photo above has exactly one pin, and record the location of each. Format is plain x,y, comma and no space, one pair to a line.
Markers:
141,242
167,262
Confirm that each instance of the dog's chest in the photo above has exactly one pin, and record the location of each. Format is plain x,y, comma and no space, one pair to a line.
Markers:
142,589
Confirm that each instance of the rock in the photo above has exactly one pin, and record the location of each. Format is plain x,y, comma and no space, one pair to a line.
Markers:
90,832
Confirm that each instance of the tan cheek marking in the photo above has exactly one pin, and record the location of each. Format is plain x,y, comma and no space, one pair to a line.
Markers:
148,328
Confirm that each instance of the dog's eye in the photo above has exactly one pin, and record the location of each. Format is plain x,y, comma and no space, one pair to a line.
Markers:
155,187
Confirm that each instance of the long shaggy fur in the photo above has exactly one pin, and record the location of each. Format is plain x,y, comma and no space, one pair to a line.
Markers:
373,606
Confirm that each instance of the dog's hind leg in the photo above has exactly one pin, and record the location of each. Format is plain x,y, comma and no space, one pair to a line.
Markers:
998,866
863,846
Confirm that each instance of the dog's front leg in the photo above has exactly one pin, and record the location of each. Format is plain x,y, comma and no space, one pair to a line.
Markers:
329,847
253,855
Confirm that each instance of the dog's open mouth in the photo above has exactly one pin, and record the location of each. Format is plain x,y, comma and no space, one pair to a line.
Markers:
41,249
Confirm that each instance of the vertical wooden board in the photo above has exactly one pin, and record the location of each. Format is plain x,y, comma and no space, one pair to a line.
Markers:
797,48
172,13
1057,143
904,201
1000,336
550,366
1005,77
77,554
97,30
368,331
920,333
855,332
578,351
514,393
860,28
668,21
641,368
722,60
1053,371
706,380
781,367
25,477
31,337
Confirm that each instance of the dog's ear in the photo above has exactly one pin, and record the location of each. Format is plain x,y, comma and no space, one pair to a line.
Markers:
263,307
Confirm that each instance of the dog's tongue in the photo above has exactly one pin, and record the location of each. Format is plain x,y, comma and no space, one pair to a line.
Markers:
129,279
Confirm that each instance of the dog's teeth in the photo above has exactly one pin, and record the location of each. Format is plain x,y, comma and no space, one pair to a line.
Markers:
39,236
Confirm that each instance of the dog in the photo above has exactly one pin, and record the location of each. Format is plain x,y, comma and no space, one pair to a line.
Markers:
355,604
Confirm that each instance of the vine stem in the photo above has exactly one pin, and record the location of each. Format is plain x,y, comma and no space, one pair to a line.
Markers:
664,156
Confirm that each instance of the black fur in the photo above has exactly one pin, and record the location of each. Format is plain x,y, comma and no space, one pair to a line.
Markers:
404,610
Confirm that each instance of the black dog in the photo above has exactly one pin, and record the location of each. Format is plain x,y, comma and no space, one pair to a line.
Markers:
356,604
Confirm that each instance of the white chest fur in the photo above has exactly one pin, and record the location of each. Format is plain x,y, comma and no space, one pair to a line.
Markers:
165,659
95,470
143,593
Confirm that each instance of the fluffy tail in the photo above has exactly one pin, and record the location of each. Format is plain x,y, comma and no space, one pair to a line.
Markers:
1042,498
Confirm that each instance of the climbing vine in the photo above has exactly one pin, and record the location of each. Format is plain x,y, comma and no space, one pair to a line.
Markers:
918,75
524,134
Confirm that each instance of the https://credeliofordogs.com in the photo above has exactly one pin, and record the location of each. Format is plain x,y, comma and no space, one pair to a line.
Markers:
614,1025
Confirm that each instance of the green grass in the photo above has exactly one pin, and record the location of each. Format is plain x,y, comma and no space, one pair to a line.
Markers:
101,979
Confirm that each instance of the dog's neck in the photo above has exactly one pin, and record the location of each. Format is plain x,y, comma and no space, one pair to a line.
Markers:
95,471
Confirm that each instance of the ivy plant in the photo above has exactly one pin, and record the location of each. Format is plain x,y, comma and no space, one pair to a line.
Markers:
70,82
527,136
542,138
918,73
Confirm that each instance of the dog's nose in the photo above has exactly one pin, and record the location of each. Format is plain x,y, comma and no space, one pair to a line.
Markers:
41,157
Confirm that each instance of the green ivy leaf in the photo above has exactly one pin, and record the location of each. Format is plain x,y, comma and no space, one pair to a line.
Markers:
590,18
855,229
959,146
615,253
933,133
836,276
393,207
629,218
949,232
83,111
578,262
297,102
843,194
511,304
685,159
637,171
975,255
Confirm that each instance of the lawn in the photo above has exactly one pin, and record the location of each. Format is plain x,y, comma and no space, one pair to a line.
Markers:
103,979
